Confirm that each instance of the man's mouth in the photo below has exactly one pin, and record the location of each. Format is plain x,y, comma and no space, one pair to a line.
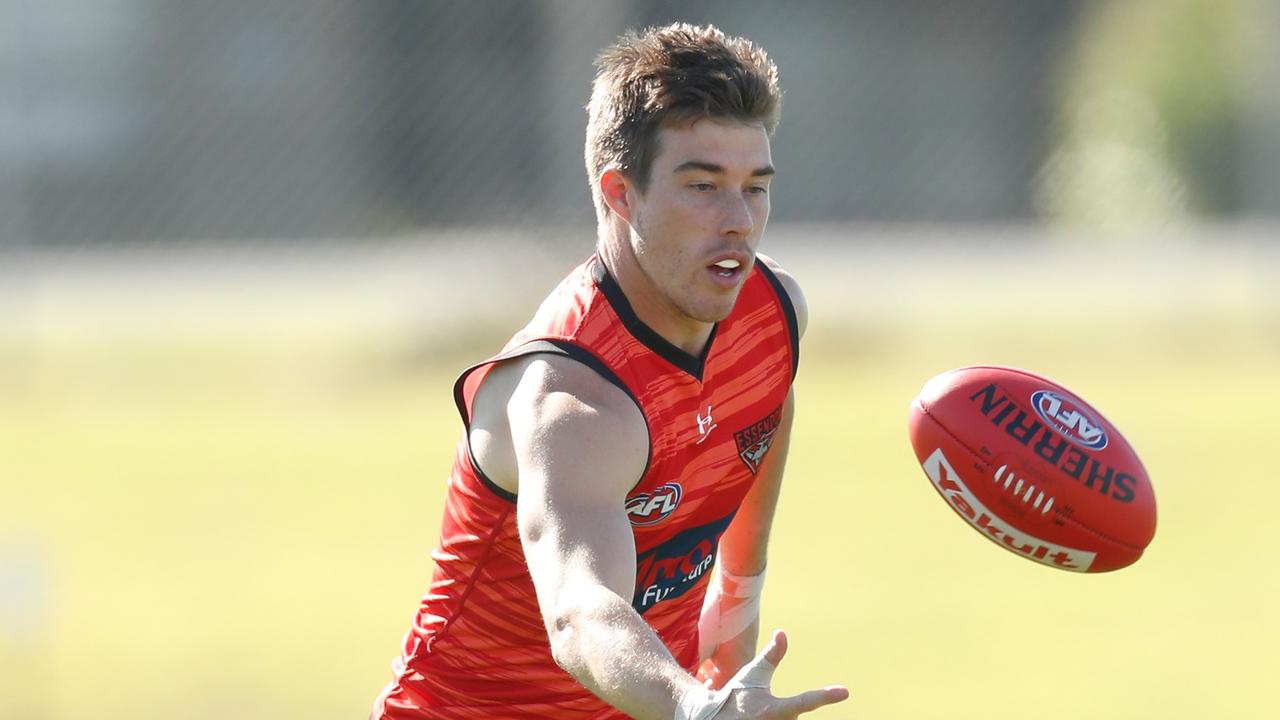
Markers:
726,268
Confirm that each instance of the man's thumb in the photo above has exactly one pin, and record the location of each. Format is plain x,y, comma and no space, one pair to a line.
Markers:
776,648
759,672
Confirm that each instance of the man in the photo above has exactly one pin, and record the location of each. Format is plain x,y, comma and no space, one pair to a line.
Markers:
633,435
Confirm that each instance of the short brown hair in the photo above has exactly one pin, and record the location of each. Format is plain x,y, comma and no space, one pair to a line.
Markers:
666,76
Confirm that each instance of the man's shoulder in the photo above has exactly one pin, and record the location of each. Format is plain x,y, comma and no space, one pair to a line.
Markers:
538,378
532,408
791,287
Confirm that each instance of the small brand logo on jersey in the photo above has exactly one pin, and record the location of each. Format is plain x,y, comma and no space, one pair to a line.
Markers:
755,440
654,507
705,426
1072,422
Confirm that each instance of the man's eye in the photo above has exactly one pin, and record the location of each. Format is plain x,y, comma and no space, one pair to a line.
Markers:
702,187
759,190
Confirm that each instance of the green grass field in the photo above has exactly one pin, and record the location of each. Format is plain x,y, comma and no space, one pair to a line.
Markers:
216,528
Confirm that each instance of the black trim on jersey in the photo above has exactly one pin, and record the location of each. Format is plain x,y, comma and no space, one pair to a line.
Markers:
788,309
548,346
461,402
568,349
493,486
648,336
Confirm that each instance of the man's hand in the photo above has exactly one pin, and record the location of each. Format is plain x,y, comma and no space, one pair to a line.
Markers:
750,695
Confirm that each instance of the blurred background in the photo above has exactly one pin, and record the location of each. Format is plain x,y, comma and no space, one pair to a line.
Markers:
245,247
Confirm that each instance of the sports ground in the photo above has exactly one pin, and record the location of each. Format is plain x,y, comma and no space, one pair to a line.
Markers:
221,475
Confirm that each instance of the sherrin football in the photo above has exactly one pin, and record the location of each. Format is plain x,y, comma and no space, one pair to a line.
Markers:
1034,468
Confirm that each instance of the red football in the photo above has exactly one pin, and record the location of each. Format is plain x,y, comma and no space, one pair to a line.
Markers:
1034,468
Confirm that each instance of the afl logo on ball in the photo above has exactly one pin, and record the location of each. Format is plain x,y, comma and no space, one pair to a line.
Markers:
652,508
1070,421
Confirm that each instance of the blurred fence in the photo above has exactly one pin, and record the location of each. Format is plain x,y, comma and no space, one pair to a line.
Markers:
147,121
234,235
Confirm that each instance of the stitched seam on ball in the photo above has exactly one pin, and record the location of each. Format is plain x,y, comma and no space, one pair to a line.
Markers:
1067,518
1104,536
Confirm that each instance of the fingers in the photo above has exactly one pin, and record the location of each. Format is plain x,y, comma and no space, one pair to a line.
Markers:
814,699
776,648
759,674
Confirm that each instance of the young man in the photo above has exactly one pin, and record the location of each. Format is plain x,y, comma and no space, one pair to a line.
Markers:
632,436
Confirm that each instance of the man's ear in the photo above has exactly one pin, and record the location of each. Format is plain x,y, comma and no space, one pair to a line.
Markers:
616,189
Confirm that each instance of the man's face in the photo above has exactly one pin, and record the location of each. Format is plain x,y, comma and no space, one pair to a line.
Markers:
696,228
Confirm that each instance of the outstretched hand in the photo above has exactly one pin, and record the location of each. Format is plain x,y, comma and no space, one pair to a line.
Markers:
752,695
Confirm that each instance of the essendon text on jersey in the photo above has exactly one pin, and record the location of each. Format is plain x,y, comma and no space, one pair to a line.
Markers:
669,570
756,439
1051,447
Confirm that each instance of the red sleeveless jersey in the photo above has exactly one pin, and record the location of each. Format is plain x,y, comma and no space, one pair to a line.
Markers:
478,647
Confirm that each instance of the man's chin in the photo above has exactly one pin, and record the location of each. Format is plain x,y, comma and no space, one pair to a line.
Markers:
713,313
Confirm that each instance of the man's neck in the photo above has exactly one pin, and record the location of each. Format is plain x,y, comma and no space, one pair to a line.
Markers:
647,301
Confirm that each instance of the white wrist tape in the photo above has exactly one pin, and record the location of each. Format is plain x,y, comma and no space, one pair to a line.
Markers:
701,703
740,586
723,620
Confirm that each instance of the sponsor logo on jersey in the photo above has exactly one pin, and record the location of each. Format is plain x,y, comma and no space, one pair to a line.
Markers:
671,569
755,440
1051,445
651,508
1070,420
948,482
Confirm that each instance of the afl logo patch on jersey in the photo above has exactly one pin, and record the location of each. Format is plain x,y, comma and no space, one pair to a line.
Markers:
652,508
755,440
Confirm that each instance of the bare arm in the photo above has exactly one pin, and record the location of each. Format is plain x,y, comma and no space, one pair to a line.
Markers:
745,544
744,553
580,444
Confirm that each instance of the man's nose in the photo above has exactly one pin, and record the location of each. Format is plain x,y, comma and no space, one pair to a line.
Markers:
736,217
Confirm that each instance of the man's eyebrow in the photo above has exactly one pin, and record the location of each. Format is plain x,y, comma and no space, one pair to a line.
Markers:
719,169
